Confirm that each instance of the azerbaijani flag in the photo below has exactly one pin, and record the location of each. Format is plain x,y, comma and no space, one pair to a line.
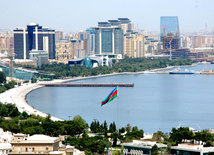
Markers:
110,97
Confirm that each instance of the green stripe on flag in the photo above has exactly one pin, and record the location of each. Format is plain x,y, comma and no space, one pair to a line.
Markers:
112,98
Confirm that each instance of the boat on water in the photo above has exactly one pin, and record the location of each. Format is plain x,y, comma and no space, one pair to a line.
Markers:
178,71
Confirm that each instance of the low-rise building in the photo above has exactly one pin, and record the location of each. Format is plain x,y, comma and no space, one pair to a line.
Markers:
92,61
39,57
139,147
188,148
36,144
70,150
5,148
5,139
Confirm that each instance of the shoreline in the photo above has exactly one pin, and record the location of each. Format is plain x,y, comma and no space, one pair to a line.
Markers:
18,95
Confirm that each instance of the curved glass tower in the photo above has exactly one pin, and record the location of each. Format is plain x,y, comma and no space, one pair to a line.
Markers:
169,32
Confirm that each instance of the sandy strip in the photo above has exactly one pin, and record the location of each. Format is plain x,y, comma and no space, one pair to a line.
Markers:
17,96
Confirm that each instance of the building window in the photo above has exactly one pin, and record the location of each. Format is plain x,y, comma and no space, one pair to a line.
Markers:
46,147
26,149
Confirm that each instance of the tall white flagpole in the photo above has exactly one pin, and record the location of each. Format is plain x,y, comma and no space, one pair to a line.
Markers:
117,109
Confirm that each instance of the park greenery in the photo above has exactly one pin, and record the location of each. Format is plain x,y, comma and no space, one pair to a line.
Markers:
4,85
103,135
124,65
77,129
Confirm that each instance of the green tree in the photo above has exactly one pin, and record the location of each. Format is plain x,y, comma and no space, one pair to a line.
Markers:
128,127
135,128
105,125
154,150
115,137
79,124
179,134
204,136
112,127
158,136
2,77
134,135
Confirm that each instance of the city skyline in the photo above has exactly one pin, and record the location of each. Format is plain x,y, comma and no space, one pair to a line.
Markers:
71,16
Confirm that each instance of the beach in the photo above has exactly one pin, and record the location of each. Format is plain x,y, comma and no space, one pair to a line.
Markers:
17,96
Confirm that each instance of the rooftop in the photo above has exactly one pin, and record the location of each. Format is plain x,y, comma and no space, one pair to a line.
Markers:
144,144
39,138
32,24
193,148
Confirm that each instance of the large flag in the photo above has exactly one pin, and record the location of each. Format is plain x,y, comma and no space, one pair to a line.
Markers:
110,97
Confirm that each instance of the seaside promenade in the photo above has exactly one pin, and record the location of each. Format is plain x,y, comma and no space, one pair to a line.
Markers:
17,96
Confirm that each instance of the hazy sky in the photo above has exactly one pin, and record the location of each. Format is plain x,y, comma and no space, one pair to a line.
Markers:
74,15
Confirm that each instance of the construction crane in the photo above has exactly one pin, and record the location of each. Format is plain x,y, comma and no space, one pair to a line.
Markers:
205,62
164,37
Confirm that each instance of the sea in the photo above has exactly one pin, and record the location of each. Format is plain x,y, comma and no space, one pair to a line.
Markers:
156,102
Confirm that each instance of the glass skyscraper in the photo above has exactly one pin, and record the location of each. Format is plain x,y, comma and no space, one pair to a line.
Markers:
34,37
108,38
169,32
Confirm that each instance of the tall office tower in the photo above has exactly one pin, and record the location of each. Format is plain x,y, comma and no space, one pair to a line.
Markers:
34,37
108,39
169,32
126,25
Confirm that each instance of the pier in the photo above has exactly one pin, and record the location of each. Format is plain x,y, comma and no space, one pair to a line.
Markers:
88,84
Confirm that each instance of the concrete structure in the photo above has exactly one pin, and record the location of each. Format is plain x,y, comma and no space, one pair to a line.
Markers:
183,53
70,150
139,147
75,48
59,35
108,38
39,57
36,144
6,42
5,148
34,37
199,41
126,25
134,45
92,61
91,41
64,51
5,140
188,148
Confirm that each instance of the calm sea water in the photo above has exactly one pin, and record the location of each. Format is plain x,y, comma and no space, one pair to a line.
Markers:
157,101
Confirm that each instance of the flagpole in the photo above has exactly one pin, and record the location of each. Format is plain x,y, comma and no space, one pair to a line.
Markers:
117,109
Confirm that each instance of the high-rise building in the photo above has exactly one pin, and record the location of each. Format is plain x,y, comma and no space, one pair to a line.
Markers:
169,32
126,25
59,35
34,37
91,40
6,42
134,45
108,38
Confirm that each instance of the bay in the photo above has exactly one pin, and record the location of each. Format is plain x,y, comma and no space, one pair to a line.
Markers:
156,102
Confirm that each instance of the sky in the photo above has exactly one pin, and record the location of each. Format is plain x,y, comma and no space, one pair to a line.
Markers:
75,15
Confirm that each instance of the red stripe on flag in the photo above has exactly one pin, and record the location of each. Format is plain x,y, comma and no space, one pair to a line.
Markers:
110,96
